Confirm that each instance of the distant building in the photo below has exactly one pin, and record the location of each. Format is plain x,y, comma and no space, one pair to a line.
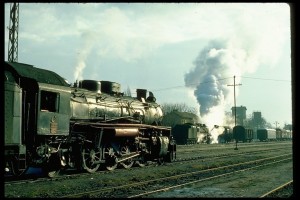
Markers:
175,117
257,119
240,114
257,122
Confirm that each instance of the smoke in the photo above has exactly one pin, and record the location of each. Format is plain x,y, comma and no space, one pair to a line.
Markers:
87,45
214,69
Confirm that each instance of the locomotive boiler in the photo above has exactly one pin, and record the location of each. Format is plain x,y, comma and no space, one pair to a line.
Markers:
51,125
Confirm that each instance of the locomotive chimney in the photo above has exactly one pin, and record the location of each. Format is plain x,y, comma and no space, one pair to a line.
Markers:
91,85
141,93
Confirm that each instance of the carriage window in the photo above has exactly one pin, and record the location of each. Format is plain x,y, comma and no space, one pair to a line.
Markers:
49,101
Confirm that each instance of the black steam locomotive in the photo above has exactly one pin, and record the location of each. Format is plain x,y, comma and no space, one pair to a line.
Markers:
55,126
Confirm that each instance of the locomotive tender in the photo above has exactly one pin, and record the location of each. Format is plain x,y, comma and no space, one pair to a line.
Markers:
189,133
185,134
243,134
51,125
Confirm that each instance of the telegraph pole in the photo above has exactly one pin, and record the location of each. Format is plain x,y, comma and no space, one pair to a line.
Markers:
276,122
234,109
13,33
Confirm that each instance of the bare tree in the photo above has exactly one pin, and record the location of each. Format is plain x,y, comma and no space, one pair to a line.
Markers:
181,107
127,92
251,122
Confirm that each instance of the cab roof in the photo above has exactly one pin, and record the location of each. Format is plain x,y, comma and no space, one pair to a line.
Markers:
38,74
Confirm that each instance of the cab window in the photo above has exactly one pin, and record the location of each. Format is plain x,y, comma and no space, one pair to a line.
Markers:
49,101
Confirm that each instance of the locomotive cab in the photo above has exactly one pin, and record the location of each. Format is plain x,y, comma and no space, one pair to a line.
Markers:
36,109
54,108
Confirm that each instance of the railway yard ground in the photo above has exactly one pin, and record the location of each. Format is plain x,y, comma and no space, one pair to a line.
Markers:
256,169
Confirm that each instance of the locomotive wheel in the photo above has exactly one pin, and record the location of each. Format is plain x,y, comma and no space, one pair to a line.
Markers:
111,163
160,161
141,162
53,167
129,162
111,160
169,157
14,166
54,173
89,159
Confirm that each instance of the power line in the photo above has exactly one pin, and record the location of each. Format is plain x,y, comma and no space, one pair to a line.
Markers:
265,79
195,84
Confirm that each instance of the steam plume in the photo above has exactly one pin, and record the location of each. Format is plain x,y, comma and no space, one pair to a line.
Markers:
216,62
87,39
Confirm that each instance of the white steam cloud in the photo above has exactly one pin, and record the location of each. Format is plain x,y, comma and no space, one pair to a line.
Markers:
88,42
214,69
215,62
256,39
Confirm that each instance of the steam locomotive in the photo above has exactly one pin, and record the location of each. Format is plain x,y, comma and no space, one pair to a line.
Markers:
55,126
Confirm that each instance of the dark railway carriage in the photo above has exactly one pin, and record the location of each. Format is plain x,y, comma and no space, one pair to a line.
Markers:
243,134
185,133
51,125
266,134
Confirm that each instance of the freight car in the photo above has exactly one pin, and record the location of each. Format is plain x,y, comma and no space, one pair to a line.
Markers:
266,134
55,126
243,134
283,134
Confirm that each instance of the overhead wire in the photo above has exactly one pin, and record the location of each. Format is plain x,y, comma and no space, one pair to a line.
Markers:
195,84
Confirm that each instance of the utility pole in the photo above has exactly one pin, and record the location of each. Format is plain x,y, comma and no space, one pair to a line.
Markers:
13,32
276,122
234,109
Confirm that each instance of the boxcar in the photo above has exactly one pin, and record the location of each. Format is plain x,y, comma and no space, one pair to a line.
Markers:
266,134
283,134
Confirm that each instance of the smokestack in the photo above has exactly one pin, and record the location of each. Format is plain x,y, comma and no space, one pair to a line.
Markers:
141,93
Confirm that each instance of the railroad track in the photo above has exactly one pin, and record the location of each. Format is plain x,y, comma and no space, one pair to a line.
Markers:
133,190
205,147
113,183
32,178
282,191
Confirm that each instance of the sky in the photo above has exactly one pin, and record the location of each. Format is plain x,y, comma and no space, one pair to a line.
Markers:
185,53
